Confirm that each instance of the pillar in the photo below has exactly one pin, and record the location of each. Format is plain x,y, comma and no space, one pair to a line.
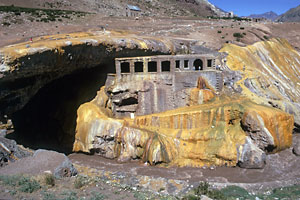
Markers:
158,66
118,70
131,66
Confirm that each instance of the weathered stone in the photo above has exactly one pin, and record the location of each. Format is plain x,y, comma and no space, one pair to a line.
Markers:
177,137
254,126
270,73
10,151
251,156
41,161
296,146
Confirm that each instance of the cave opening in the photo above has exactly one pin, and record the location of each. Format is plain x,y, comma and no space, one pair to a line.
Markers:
48,120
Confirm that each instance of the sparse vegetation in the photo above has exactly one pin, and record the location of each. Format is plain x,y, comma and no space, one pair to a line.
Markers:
21,183
49,179
266,37
219,31
242,28
46,15
238,36
97,196
80,181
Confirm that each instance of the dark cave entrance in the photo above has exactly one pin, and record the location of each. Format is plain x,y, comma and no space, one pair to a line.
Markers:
48,120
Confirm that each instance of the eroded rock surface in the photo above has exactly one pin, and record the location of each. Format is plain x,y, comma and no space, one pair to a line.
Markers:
270,73
209,134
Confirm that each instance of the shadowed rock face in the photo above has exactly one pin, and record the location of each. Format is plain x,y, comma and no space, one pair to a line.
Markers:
42,83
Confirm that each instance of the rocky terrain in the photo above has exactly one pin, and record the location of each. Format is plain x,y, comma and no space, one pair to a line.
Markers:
157,8
54,66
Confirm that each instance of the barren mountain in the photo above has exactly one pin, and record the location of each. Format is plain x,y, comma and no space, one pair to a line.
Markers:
117,7
293,15
268,15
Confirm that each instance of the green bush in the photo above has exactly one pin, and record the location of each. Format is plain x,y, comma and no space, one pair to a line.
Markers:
50,179
242,28
10,180
80,181
235,192
238,35
97,196
27,185
219,31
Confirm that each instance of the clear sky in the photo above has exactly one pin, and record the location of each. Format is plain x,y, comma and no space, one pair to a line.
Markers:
247,7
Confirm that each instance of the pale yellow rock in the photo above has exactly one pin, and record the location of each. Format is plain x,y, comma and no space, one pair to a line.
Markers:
203,135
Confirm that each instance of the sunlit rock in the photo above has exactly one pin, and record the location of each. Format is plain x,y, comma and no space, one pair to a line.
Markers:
209,134
270,73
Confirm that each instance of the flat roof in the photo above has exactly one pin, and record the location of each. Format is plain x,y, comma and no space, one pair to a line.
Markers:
132,7
168,57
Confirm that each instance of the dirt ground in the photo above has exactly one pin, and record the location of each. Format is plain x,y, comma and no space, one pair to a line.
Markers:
210,33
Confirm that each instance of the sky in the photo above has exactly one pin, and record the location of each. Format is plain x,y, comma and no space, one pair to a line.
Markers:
247,7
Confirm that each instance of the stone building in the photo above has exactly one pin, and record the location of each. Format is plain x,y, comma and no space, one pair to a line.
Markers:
132,11
145,85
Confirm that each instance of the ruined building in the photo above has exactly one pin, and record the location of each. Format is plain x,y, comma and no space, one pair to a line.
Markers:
146,85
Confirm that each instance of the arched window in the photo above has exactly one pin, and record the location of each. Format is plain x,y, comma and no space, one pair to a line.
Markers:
198,64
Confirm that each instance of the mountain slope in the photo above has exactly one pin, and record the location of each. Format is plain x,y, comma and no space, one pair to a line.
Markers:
268,15
167,8
293,15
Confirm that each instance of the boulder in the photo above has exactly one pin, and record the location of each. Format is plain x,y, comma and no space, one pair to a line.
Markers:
41,161
10,151
253,124
251,156
296,146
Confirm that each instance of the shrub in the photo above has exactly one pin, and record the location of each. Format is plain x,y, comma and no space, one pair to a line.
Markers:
235,192
27,185
266,37
50,179
242,28
80,181
97,196
204,189
219,31
238,35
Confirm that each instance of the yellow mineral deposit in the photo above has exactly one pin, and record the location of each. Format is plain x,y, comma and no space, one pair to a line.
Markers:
201,135
270,73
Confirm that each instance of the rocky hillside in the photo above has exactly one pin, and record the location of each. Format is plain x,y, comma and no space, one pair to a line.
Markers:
268,74
268,15
117,7
293,15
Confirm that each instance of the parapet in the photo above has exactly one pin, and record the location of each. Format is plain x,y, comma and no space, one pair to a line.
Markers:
166,64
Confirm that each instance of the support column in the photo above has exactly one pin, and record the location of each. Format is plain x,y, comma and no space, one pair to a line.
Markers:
131,66
145,66
158,66
181,64
204,60
172,65
118,69
191,63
